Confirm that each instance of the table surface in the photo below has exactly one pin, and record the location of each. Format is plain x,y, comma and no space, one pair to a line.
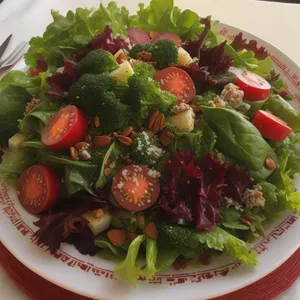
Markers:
277,23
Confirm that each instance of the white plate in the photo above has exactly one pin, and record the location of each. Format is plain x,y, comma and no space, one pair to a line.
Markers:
93,277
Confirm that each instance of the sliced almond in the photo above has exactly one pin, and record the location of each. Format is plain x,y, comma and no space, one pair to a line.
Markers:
107,171
125,140
82,146
169,134
127,131
101,141
270,164
97,121
133,135
73,153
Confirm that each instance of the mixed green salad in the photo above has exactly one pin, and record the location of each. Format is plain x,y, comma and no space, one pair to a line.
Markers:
148,138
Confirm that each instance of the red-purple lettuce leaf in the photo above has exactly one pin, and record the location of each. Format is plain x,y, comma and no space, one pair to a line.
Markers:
61,82
193,47
193,192
65,222
240,44
105,41
236,184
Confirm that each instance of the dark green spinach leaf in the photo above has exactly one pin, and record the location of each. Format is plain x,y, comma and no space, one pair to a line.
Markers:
13,102
237,137
282,109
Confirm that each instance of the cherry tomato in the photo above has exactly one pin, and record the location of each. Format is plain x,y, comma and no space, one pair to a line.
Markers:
254,86
270,126
178,82
135,188
66,128
38,188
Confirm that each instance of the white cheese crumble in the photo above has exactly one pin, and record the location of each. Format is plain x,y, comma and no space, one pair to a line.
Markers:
254,197
180,108
230,202
232,95
153,173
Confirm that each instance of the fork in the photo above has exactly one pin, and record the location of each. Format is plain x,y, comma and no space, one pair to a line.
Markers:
14,56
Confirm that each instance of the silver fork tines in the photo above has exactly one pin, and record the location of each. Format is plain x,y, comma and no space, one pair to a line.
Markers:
15,56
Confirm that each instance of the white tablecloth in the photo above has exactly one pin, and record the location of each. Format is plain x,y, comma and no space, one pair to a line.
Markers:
277,23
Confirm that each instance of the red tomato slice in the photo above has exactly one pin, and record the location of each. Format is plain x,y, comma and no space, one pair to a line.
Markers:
66,128
135,188
270,126
178,82
254,86
38,188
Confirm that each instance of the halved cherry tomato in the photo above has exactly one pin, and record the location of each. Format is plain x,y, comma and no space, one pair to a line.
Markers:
66,128
270,126
254,86
135,188
178,82
38,188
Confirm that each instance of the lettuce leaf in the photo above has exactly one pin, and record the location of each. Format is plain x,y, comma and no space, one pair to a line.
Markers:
66,34
200,141
14,163
282,109
32,124
260,67
127,269
221,240
151,258
13,103
78,179
20,79
163,16
292,197
105,244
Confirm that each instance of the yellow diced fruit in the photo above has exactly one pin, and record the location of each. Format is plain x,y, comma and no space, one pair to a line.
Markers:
123,72
98,224
16,142
183,57
183,121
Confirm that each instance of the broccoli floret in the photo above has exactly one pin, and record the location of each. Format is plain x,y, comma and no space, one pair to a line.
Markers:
175,237
144,69
87,92
97,62
112,113
138,48
164,53
144,149
144,95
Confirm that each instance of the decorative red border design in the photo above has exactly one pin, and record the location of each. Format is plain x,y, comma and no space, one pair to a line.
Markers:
173,279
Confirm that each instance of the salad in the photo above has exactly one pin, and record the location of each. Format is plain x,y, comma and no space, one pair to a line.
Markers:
148,138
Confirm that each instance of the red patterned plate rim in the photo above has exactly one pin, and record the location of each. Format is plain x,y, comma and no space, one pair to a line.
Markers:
178,279
280,279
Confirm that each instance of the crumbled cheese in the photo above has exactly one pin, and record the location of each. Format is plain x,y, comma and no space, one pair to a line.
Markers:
181,107
125,172
146,148
231,202
232,95
120,185
254,197
153,173
211,103
219,102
